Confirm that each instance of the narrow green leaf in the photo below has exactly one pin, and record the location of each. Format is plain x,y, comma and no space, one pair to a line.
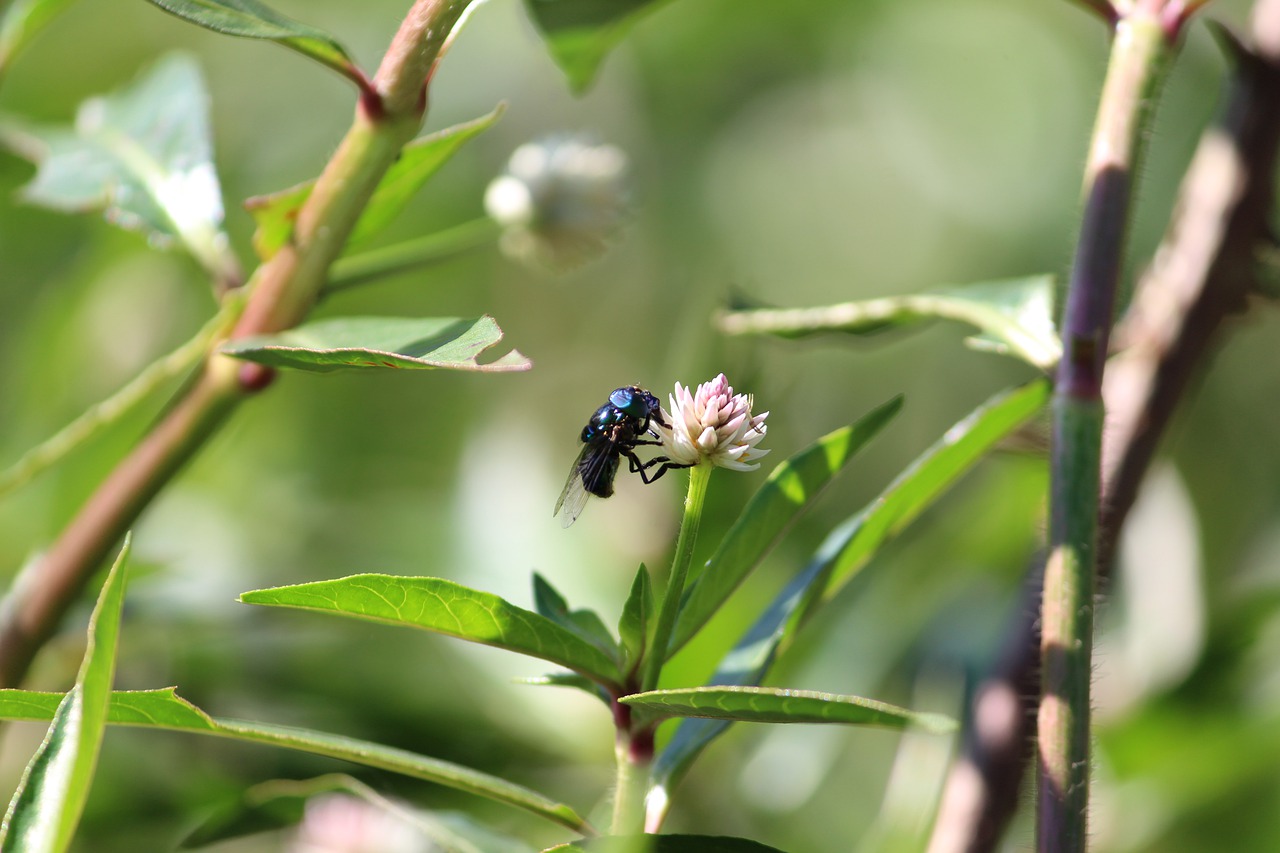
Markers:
779,705
1015,317
579,33
447,608
849,547
282,803
46,808
666,844
20,23
276,213
142,154
164,709
251,19
637,614
791,487
448,343
548,602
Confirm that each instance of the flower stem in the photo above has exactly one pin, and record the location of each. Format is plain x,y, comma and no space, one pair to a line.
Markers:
699,475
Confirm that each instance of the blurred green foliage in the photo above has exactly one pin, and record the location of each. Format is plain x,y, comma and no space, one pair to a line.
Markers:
804,154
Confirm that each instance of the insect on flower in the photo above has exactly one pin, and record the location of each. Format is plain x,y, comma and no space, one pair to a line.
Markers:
616,429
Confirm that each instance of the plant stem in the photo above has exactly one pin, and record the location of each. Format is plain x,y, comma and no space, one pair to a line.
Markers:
280,294
633,756
424,251
699,475
1138,59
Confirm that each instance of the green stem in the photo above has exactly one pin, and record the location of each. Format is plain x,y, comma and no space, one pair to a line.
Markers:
424,251
699,476
631,785
1139,58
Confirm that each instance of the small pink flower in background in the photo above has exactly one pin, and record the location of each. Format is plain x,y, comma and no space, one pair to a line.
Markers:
337,823
712,424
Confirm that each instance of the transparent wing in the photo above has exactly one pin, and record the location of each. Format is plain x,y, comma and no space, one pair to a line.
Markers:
574,496
592,474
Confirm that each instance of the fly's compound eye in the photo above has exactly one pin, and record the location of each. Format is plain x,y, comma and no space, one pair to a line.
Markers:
623,398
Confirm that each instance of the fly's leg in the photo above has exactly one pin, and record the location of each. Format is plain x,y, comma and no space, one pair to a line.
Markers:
642,468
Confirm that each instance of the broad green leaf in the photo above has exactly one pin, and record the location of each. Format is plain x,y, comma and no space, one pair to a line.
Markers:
275,214
1015,317
780,705
448,608
666,844
847,549
251,19
362,343
282,803
637,614
21,21
142,154
580,32
791,487
164,709
548,602
46,808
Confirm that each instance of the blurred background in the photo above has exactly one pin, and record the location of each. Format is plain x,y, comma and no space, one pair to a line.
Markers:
802,154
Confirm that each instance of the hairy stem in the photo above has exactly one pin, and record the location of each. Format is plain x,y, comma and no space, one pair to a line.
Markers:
1138,60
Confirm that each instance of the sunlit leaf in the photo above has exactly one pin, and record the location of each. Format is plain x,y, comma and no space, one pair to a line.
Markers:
141,154
282,803
637,614
791,487
779,705
1014,317
363,343
666,844
164,709
579,33
448,608
251,19
46,808
586,624
419,161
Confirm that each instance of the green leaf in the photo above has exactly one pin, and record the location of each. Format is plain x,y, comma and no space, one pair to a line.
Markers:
666,844
779,705
580,32
282,803
141,154
164,709
791,487
634,624
46,808
276,213
449,343
251,19
447,608
849,547
20,23
1015,317
585,623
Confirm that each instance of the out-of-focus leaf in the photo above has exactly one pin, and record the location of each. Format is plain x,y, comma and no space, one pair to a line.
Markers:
779,705
1015,317
790,488
251,19
586,624
666,844
450,343
164,709
283,802
845,551
579,33
46,808
634,624
142,154
419,161
21,21
448,608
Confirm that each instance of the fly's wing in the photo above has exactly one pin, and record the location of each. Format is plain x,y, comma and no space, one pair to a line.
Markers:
592,474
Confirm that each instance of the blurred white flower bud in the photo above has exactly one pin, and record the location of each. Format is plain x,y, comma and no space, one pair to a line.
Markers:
561,200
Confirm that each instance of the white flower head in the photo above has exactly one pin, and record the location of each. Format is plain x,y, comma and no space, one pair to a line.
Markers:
561,200
712,424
